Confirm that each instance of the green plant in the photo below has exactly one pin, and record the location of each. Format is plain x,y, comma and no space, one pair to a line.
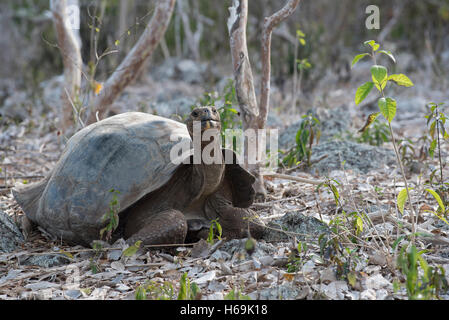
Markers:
111,216
441,212
421,281
296,258
308,133
436,121
227,99
155,291
215,231
300,64
387,105
187,290
341,245
94,261
375,133
235,294
165,291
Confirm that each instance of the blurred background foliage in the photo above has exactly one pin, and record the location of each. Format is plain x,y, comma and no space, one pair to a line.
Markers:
333,29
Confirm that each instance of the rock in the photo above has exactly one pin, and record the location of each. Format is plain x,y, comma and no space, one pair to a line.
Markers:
10,234
377,281
238,246
16,106
214,296
45,261
368,294
358,157
328,275
42,285
171,108
335,290
205,278
200,249
297,223
72,294
180,69
332,122
286,291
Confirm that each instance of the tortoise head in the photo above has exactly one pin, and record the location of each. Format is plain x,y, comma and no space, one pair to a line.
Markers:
208,116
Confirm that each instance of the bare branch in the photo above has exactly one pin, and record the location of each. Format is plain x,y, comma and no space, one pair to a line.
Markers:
270,23
127,71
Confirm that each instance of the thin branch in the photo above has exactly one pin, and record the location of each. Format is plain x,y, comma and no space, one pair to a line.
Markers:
128,70
299,179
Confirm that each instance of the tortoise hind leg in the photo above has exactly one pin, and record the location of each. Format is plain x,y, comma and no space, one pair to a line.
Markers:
165,227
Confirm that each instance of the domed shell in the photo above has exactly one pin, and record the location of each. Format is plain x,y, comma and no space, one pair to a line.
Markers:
129,152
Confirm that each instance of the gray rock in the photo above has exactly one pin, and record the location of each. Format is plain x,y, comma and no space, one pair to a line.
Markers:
16,106
294,224
238,245
358,157
286,291
180,107
73,294
45,261
332,122
10,234
180,69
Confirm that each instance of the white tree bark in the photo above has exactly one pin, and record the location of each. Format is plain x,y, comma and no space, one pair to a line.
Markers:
70,46
254,114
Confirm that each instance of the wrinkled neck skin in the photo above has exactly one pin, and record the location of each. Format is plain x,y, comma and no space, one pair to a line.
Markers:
211,162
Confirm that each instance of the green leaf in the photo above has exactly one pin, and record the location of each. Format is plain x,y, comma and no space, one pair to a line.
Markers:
437,198
300,34
358,57
132,249
302,41
352,278
389,54
141,293
387,107
432,148
250,245
363,91
379,74
359,224
372,44
369,121
117,43
401,80
432,129
402,198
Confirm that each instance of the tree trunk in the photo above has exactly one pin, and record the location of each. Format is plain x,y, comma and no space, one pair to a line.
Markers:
70,47
254,116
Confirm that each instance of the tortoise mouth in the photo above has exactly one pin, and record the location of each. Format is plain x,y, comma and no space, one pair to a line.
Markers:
209,124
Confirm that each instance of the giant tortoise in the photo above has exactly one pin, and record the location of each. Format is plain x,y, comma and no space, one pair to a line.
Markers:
161,201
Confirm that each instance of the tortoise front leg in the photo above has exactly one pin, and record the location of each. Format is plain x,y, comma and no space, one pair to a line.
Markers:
235,222
165,227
